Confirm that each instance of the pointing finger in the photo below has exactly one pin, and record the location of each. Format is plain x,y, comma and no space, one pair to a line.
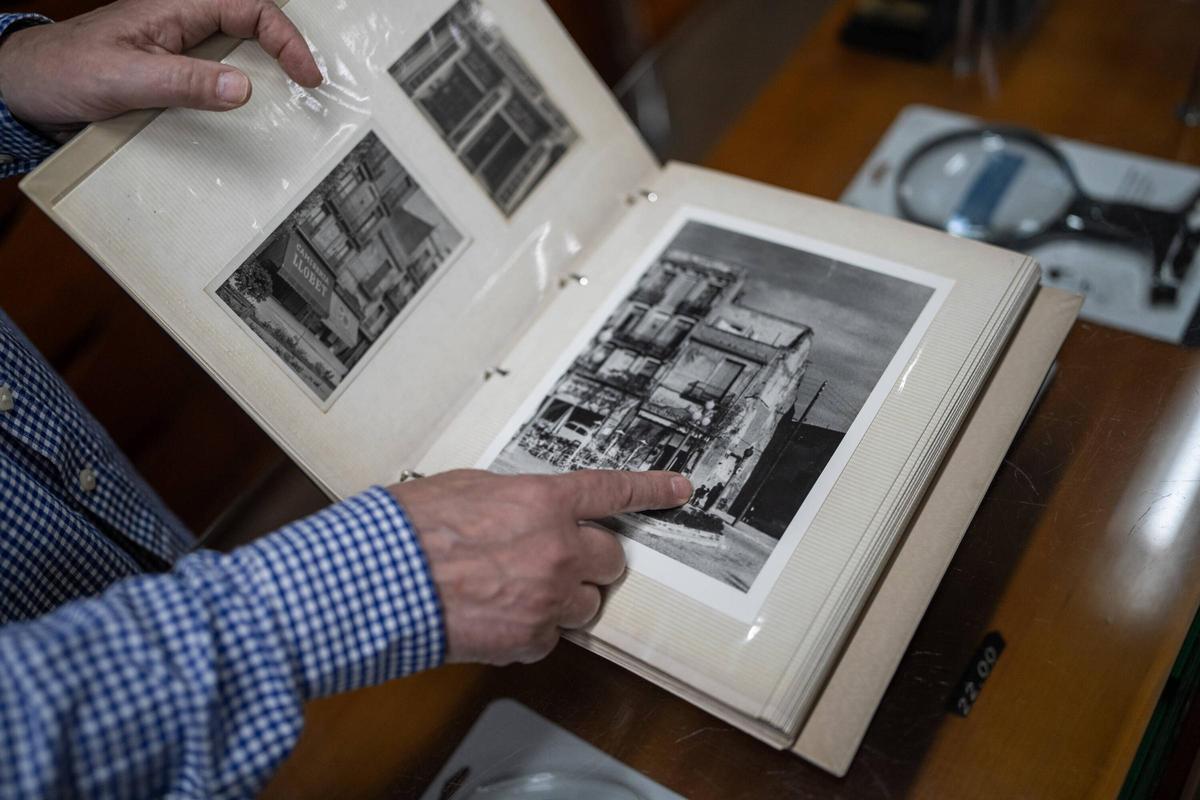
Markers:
594,494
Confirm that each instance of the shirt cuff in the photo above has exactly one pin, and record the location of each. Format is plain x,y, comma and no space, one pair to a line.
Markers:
352,593
21,148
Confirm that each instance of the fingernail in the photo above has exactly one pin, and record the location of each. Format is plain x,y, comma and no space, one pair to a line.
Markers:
682,488
233,87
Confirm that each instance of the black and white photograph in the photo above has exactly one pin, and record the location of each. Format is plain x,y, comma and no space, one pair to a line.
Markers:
737,361
329,283
485,103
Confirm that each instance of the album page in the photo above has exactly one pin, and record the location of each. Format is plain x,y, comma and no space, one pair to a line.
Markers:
839,720
351,261
795,359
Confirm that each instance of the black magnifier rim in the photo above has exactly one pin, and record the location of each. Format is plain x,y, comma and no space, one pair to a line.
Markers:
1003,131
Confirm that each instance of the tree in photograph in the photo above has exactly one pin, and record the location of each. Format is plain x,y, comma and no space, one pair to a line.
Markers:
236,301
254,281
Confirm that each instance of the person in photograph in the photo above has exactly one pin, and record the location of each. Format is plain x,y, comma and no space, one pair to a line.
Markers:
133,666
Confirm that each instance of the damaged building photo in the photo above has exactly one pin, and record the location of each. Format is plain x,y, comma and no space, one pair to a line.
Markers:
715,366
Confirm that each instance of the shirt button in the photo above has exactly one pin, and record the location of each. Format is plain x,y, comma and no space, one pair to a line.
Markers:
87,479
6,398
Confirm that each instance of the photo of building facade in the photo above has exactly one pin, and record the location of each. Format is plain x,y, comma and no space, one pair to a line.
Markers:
682,377
687,374
486,105
329,282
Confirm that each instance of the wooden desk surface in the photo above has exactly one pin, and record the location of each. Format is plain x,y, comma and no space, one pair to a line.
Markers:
1085,554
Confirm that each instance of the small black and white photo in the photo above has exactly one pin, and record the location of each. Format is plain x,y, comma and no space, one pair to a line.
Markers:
486,104
333,278
737,361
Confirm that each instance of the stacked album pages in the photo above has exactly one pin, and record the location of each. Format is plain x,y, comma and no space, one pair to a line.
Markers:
457,252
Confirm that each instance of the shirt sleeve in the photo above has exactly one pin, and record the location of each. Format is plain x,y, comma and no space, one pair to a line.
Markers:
191,683
21,149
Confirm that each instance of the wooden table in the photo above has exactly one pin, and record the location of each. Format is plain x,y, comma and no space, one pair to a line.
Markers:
1085,554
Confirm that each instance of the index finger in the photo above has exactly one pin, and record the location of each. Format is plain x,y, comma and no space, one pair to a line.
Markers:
278,35
599,493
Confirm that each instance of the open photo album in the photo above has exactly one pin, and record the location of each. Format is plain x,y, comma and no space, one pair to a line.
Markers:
458,252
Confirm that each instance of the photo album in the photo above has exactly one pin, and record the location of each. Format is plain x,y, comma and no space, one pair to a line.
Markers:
458,252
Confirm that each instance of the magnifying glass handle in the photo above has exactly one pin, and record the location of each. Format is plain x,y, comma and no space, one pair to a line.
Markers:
1152,230
1126,222
1174,268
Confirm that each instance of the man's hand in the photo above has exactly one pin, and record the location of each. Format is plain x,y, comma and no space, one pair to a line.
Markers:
513,557
126,56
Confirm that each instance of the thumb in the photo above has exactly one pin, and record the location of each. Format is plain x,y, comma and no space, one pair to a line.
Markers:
168,81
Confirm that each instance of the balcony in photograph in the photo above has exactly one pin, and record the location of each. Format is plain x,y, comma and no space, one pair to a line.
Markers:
701,393
649,347
631,382
650,296
697,309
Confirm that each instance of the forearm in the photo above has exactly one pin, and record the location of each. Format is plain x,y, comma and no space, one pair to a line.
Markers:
192,682
21,148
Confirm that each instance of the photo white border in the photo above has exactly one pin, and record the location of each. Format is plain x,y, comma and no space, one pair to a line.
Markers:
711,592
310,185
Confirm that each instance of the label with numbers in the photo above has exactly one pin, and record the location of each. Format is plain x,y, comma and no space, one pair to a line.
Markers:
981,666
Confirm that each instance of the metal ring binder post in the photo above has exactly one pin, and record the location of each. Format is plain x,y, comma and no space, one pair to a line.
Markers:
650,196
574,277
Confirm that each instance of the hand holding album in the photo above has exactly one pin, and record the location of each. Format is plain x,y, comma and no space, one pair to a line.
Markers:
127,56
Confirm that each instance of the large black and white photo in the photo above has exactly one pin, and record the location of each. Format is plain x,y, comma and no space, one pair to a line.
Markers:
738,361
485,103
331,280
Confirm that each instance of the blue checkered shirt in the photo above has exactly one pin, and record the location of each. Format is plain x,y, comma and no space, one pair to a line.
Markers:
131,668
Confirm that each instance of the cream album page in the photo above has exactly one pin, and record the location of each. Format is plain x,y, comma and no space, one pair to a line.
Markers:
349,261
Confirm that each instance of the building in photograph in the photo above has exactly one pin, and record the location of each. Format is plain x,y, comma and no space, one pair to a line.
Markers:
684,377
485,103
333,276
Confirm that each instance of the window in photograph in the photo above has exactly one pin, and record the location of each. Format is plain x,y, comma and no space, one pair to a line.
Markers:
486,105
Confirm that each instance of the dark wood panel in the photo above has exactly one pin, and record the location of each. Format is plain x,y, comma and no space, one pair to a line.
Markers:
614,33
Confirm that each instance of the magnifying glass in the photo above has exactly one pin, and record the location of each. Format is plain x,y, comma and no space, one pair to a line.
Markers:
1012,188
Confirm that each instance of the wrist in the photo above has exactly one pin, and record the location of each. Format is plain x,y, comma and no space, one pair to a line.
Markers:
13,30
9,44
23,145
